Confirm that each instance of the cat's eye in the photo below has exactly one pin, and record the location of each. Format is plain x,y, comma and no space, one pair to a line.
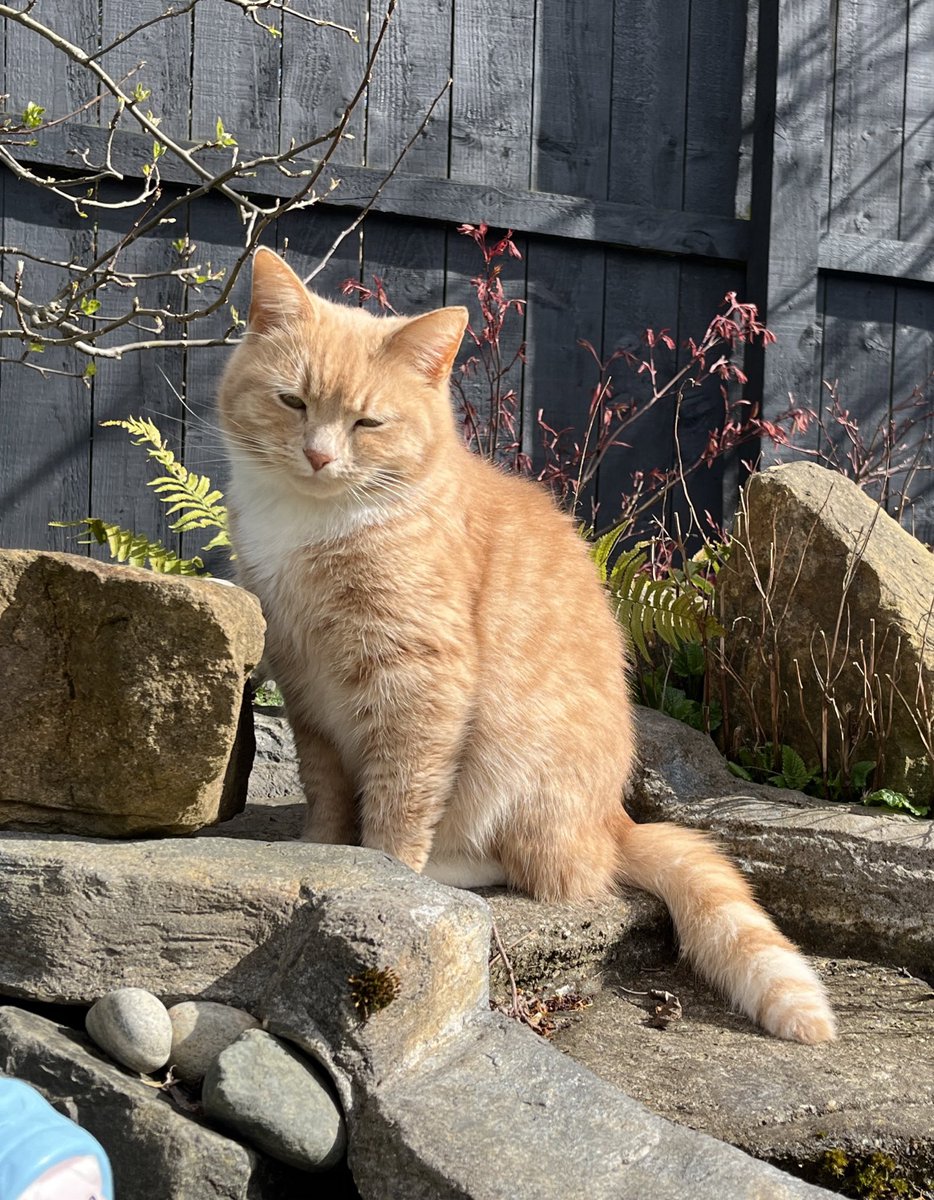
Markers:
291,401
367,423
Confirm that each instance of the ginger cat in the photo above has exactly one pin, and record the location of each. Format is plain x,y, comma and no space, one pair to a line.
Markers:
451,668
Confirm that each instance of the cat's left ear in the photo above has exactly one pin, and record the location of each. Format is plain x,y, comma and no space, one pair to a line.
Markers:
279,297
431,342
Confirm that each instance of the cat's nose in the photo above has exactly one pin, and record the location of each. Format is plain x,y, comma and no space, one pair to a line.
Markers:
317,458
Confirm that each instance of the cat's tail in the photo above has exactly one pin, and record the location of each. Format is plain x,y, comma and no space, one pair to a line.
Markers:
724,933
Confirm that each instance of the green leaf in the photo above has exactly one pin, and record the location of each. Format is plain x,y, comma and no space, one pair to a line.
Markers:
223,137
794,771
689,660
141,93
90,306
897,802
190,498
860,773
739,772
32,115
134,549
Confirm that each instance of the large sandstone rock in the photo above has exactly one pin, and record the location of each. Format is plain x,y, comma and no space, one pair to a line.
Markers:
820,580
122,702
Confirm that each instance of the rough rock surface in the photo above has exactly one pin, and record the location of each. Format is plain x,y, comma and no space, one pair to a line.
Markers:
275,766
842,878
122,706
145,1136
201,1029
132,1026
835,552
437,1092
871,1092
277,1100
499,1114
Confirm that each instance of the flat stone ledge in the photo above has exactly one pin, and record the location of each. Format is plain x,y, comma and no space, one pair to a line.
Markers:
871,1090
537,1125
437,1091
839,878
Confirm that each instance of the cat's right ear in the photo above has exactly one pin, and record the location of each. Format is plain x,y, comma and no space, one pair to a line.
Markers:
279,297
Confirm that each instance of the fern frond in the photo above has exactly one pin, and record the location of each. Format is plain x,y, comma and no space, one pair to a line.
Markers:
673,610
136,549
184,492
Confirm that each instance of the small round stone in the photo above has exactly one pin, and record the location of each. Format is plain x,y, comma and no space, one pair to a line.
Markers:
276,1098
132,1025
201,1029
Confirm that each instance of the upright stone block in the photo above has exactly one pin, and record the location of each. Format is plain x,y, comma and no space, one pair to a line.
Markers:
122,707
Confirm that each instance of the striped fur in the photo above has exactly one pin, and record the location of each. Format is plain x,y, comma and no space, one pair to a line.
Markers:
452,671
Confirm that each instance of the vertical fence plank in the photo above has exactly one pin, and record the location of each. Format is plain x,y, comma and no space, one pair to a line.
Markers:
869,86
38,73
571,90
913,370
45,421
409,257
235,75
570,122
322,69
714,106
152,383
859,316
491,99
413,66
916,215
702,290
646,166
789,215
641,293
711,172
490,142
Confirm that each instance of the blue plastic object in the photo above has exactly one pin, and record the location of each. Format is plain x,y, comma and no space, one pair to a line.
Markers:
43,1155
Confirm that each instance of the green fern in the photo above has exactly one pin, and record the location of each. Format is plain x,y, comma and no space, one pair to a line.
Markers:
133,548
675,609
186,493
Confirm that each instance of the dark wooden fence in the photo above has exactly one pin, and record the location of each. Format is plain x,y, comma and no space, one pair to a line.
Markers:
650,157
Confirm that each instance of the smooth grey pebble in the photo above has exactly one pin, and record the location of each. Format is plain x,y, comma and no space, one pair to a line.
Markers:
133,1026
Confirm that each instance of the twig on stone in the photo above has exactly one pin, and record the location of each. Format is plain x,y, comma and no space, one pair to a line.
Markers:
501,950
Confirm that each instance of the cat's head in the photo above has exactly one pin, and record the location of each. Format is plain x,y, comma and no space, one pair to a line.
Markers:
331,400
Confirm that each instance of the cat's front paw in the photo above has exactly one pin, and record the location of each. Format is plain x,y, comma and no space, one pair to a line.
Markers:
413,857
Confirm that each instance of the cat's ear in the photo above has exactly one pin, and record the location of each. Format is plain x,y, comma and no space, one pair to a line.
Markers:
279,297
431,342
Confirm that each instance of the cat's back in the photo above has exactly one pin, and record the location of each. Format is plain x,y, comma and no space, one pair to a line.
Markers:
541,612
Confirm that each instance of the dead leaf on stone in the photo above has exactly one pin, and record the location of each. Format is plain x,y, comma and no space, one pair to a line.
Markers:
538,1012
664,1013
665,1006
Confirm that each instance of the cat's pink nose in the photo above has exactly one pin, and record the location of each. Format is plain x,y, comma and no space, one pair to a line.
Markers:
317,458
